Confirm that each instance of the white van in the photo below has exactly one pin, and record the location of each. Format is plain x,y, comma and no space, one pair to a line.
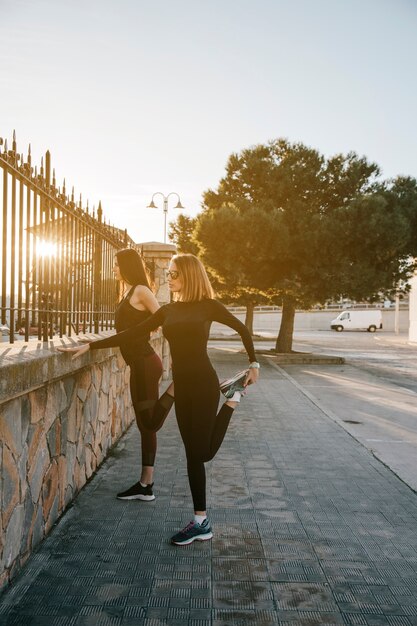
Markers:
357,320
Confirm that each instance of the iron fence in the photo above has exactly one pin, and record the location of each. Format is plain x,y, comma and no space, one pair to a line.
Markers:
56,255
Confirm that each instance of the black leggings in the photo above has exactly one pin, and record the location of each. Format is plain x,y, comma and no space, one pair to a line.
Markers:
202,429
150,410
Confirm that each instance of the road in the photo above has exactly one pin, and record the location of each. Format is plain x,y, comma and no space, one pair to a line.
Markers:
386,355
373,395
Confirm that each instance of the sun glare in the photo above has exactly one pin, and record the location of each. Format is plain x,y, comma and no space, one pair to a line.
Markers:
46,248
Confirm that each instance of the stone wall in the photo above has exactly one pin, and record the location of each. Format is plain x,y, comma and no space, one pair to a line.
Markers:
52,439
58,420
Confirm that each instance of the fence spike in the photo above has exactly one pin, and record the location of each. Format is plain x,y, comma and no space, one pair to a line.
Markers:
72,194
99,212
63,188
14,141
53,178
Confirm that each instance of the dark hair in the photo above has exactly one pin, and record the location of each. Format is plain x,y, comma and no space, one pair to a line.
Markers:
131,266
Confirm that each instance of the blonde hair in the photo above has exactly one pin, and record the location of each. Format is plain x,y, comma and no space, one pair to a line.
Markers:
195,282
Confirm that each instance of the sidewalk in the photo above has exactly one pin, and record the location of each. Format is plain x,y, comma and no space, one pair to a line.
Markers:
310,529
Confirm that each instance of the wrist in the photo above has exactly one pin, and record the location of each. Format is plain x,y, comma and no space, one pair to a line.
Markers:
254,365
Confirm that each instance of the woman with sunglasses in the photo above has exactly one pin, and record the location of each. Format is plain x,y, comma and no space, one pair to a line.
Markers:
136,304
186,325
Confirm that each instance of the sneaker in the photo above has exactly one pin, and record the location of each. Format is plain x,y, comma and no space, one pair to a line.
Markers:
193,532
229,386
137,492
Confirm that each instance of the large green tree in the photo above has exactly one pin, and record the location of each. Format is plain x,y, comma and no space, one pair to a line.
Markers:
181,234
229,285
288,222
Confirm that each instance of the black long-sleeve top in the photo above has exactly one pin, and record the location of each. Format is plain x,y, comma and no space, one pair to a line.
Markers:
186,325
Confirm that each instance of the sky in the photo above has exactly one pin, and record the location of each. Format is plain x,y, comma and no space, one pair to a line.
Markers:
134,97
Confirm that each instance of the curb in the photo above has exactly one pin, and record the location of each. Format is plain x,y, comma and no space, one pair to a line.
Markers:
302,358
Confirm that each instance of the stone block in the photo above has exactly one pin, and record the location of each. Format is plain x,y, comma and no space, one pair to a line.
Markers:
63,401
69,384
69,495
50,489
70,457
38,470
114,420
89,462
79,476
62,481
83,384
11,426
35,434
11,486
71,418
29,519
105,382
91,405
96,375
13,536
81,452
37,400
113,367
53,405
22,469
89,435
54,439
64,429
25,418
53,514
82,416
97,439
103,408
37,529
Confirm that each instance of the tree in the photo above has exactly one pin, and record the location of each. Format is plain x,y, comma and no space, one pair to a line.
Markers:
181,233
288,222
223,246
228,287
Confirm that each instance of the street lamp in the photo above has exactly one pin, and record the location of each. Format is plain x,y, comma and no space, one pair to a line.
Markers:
152,205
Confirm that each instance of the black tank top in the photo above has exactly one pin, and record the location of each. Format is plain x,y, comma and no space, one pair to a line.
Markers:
127,316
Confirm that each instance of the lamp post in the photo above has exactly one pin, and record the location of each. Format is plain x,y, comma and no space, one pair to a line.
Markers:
152,205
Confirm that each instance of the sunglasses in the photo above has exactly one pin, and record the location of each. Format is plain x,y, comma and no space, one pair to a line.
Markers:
173,274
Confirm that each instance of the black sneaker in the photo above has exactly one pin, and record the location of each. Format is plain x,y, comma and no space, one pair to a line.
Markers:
193,532
137,492
229,386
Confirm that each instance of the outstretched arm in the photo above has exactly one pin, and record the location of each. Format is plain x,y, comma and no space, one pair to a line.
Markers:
128,337
223,316
125,338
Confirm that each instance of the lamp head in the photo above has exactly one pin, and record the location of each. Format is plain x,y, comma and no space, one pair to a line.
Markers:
152,205
179,205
